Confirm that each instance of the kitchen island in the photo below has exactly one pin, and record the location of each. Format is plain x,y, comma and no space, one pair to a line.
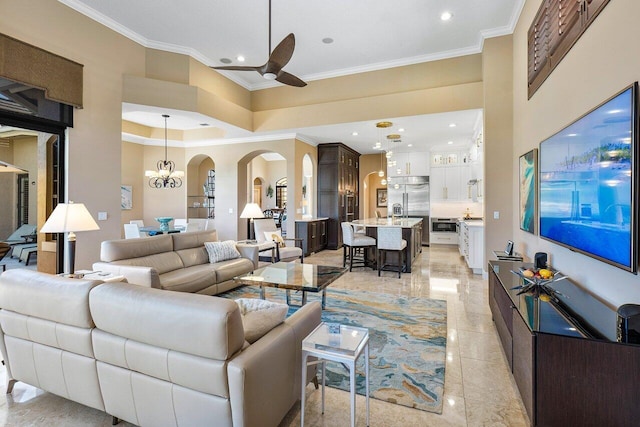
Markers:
411,232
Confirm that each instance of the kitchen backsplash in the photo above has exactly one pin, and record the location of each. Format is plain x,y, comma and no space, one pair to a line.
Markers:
455,209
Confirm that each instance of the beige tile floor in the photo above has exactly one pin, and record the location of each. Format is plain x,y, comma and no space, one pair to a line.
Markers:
479,390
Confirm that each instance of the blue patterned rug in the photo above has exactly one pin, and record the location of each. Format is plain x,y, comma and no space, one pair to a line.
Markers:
407,341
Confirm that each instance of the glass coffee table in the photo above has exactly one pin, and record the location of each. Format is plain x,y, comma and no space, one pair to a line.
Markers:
293,276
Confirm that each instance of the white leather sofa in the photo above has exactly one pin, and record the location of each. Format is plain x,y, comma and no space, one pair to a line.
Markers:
148,356
176,262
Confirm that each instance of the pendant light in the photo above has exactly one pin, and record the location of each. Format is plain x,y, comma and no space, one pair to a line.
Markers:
381,126
166,176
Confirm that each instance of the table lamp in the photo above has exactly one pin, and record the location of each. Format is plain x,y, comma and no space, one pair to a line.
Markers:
251,211
69,218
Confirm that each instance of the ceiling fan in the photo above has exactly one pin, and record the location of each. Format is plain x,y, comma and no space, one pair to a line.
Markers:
273,68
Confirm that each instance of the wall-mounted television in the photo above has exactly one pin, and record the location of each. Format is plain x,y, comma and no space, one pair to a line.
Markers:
588,183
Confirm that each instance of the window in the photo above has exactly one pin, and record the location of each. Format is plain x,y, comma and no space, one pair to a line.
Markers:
281,192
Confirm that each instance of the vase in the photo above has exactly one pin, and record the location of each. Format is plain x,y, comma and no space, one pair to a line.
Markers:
164,222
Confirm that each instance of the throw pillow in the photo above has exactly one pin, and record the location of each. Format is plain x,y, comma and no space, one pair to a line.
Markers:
274,236
260,316
221,251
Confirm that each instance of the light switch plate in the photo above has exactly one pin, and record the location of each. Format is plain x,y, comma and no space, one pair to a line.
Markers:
496,214
230,210
102,216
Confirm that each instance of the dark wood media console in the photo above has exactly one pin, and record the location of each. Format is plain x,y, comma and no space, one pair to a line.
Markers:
567,371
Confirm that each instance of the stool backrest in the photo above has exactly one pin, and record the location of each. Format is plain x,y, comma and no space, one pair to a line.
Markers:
347,233
390,238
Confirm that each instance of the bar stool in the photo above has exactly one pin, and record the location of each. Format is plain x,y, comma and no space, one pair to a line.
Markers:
357,241
390,240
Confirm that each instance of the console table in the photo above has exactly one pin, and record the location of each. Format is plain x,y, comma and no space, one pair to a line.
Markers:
567,368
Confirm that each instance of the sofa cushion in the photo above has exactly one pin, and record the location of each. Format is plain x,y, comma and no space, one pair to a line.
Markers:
260,316
47,296
162,262
193,239
201,325
114,250
227,270
221,251
193,256
190,279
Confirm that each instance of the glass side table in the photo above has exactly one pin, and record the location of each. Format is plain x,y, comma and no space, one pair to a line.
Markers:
338,343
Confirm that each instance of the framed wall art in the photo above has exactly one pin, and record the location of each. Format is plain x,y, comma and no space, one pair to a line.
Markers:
126,198
527,181
381,197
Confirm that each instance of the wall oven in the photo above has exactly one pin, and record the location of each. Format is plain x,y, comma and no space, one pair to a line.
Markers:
444,225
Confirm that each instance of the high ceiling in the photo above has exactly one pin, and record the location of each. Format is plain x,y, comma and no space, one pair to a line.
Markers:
366,35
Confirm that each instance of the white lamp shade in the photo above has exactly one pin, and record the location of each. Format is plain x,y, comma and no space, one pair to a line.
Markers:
252,210
69,217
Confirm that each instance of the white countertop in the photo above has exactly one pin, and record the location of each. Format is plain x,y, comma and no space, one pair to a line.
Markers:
311,219
474,223
388,222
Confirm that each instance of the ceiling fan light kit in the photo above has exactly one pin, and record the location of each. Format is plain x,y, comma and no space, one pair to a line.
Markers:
273,68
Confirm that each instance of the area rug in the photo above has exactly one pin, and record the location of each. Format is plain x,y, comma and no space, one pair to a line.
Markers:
407,340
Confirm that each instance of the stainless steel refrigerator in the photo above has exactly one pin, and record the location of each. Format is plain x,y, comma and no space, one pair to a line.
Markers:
411,193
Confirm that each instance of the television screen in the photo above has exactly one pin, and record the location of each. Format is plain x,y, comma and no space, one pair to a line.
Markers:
587,183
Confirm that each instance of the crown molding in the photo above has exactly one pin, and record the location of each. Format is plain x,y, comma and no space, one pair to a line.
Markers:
267,84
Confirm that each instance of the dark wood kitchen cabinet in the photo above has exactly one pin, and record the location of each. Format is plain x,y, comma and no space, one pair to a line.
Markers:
338,188
313,233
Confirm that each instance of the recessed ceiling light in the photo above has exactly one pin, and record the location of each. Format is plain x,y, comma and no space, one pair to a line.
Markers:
450,142
409,145
240,58
327,40
452,125
446,16
401,130
354,133
225,60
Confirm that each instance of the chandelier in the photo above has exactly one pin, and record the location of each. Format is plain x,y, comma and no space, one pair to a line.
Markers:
166,176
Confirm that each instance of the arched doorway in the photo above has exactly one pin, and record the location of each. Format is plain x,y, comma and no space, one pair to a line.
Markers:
257,191
201,187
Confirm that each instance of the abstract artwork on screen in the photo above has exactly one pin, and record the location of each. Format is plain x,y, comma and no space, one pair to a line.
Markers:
527,184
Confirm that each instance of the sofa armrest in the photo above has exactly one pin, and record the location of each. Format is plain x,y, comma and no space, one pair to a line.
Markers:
250,252
137,275
264,379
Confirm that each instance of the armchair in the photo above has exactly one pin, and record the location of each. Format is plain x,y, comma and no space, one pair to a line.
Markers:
265,228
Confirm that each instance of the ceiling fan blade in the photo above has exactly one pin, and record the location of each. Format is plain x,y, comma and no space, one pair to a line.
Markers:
289,79
283,52
237,68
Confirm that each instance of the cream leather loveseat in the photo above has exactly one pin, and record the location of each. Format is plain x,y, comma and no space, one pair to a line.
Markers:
176,262
148,356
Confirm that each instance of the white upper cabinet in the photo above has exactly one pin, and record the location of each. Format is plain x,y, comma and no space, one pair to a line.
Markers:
450,176
408,164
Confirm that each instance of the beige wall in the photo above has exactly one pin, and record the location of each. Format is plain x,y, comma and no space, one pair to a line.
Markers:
498,141
25,154
94,143
132,174
601,63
